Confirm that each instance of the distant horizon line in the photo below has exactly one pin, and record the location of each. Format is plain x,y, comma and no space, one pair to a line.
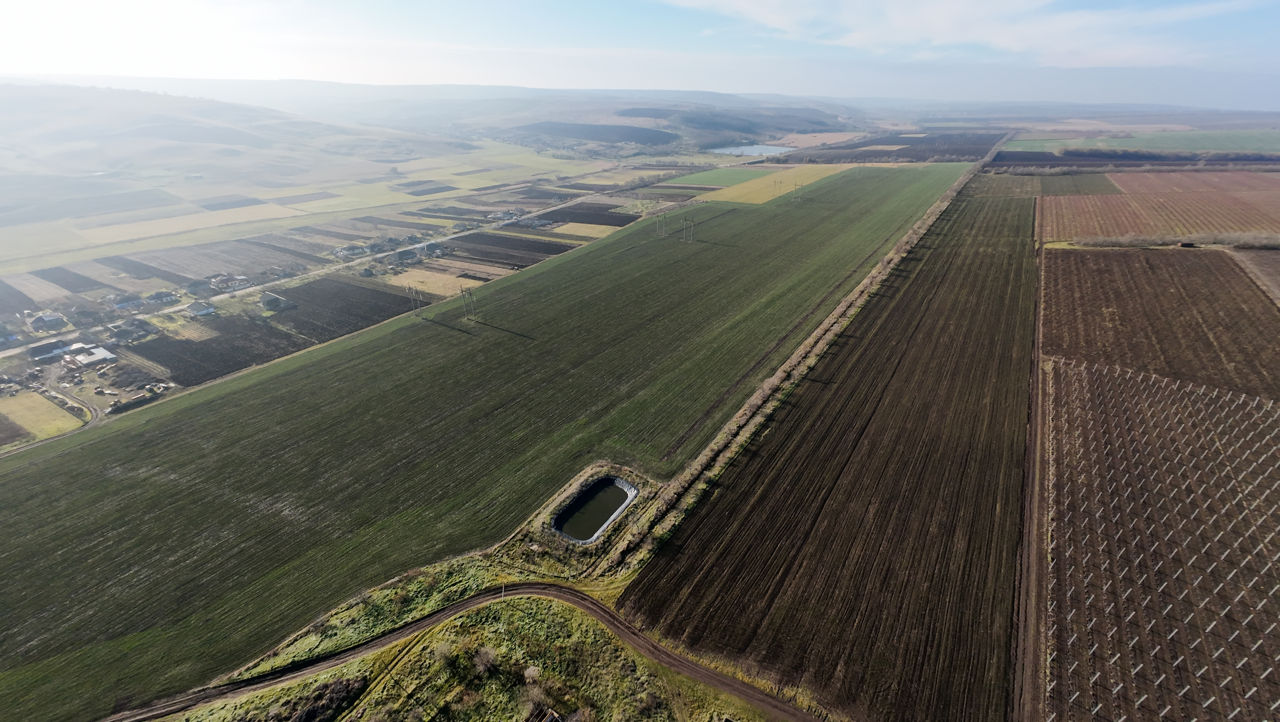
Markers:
87,80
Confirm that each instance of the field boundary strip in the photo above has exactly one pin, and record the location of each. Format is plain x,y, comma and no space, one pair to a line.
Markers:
630,635
1027,699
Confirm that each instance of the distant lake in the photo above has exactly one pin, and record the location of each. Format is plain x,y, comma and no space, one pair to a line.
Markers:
752,150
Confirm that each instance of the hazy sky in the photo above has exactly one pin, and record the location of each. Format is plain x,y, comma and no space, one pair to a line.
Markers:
1211,52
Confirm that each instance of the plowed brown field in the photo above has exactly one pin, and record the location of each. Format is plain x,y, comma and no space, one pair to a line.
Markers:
1192,182
1182,313
865,546
1065,218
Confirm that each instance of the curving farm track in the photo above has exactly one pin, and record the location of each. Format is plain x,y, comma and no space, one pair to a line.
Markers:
760,699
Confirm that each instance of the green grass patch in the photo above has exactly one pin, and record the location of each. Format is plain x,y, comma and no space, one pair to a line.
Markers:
501,661
1221,141
151,553
720,177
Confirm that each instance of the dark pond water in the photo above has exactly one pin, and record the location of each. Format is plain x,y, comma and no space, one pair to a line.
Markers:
587,514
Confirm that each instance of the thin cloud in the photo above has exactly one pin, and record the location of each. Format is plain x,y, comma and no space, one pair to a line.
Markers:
1040,30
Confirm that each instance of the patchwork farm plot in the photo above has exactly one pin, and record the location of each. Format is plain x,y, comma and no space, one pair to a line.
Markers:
116,278
1166,204
1264,266
1190,314
68,279
909,147
585,230
1194,182
237,342
635,348
38,416
779,183
1160,468
504,250
1066,218
864,546
434,282
322,310
1223,141
718,178
14,301
206,259
1029,186
1162,579
328,308
141,271
597,214
35,288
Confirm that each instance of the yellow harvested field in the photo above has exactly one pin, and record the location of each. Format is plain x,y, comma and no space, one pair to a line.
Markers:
179,224
117,279
880,147
179,327
766,188
618,176
37,414
37,239
453,266
433,282
588,230
37,289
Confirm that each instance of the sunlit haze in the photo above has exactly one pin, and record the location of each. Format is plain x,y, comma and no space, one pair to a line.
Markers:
1202,53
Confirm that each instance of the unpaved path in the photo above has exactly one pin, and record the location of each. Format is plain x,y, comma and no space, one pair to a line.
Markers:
765,702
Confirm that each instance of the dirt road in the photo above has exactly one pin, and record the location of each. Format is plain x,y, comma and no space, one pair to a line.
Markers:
766,703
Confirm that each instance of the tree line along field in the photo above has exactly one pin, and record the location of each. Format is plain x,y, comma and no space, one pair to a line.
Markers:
271,496
902,147
864,546
1191,314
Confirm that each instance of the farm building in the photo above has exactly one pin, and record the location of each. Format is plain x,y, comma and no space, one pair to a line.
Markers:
227,282
201,308
48,351
163,297
131,329
351,251
93,356
47,322
129,300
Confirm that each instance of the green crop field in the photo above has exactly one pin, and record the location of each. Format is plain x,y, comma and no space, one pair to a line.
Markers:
149,554
1223,141
720,177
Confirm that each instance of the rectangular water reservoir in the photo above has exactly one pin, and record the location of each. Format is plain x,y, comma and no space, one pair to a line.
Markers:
586,517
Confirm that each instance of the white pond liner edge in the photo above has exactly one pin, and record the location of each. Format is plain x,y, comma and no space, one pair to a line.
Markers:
631,495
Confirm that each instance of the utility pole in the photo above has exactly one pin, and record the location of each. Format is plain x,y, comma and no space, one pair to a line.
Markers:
469,306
